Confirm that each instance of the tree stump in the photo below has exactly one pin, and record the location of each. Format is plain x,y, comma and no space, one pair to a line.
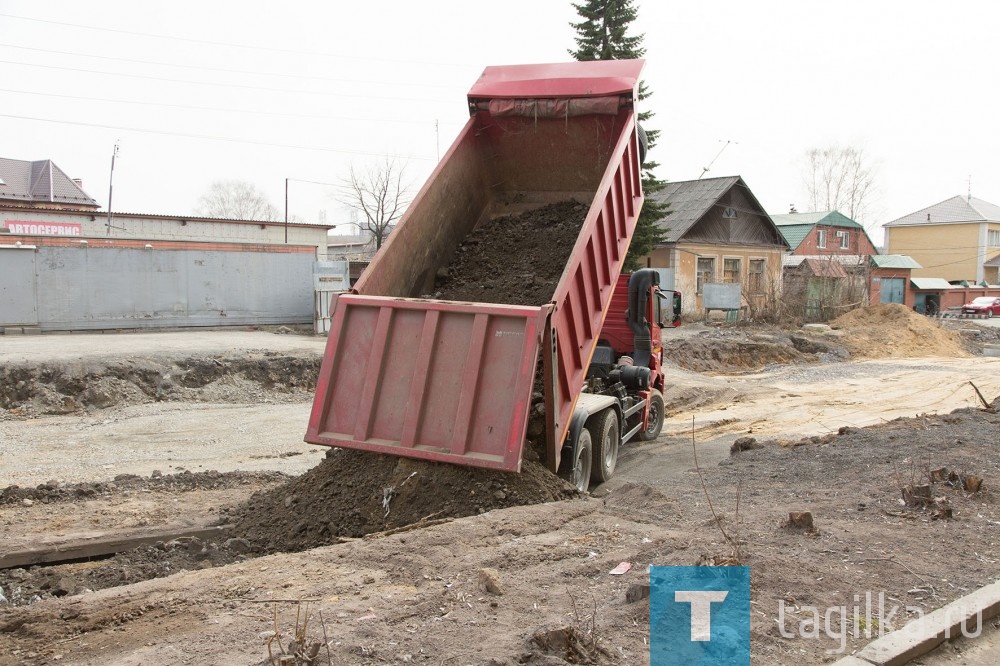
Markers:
916,495
972,483
801,520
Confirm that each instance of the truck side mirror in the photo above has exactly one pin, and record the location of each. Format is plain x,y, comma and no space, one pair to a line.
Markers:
662,310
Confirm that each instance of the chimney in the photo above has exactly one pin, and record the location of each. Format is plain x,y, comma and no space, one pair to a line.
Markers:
79,182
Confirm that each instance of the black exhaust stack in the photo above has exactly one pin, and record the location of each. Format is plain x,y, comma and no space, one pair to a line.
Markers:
638,297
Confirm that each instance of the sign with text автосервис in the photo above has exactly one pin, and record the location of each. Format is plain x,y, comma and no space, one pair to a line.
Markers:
37,228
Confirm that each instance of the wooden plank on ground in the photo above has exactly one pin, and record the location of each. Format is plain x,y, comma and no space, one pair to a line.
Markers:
80,549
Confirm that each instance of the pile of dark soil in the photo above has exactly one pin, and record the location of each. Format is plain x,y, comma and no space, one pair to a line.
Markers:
353,493
515,259
53,491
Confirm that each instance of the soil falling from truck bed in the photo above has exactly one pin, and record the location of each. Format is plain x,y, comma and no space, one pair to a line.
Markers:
353,493
514,259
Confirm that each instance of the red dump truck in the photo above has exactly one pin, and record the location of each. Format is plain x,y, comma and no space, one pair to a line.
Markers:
454,381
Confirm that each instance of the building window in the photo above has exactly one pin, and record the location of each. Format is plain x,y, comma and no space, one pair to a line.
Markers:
821,238
845,239
755,276
706,272
731,270
994,239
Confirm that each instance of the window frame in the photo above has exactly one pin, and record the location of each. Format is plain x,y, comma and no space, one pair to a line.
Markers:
700,281
755,279
821,239
845,239
738,272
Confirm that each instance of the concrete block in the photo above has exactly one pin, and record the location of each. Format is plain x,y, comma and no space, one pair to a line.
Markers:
923,635
852,661
13,330
32,330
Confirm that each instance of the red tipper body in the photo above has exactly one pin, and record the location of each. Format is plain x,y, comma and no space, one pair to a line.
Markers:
453,381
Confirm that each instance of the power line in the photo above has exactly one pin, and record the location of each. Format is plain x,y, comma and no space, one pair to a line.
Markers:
215,84
253,47
227,70
215,138
279,114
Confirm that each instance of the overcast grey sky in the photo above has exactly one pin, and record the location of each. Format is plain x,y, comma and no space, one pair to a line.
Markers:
263,91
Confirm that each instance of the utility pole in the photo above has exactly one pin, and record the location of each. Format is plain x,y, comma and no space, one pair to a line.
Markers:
111,179
286,211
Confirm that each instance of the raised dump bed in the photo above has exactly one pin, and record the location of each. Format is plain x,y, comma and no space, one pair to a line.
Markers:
453,381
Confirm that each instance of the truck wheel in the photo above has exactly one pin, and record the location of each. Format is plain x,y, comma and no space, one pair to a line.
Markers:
605,435
655,422
578,473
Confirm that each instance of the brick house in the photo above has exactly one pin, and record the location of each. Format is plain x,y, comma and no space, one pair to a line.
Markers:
831,237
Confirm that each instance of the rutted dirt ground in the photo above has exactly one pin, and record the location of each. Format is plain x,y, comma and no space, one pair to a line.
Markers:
477,589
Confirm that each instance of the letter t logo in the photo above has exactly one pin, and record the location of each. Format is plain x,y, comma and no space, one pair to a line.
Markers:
701,610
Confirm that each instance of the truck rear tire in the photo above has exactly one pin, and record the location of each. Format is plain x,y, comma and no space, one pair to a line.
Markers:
655,422
578,472
606,437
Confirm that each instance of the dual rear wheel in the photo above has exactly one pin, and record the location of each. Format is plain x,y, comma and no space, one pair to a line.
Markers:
596,453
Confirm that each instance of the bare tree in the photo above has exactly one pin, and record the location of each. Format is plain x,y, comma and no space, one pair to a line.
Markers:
236,200
380,196
840,178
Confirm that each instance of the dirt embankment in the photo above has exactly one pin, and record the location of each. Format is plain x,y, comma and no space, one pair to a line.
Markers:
735,349
883,331
514,259
65,388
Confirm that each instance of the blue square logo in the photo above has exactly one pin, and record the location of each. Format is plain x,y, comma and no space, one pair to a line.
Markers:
699,616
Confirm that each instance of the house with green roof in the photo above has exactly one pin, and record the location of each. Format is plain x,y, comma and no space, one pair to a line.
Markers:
824,233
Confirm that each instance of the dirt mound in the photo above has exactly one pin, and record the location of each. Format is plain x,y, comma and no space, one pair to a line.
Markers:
65,388
353,493
893,330
515,259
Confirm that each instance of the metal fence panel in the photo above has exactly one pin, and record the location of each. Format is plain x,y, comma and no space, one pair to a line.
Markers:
99,288
17,287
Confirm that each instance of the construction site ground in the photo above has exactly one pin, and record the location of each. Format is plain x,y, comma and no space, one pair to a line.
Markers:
131,434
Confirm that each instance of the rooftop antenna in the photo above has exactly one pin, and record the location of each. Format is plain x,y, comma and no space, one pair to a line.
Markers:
704,170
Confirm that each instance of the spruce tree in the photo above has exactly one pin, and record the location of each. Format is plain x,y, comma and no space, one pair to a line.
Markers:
603,34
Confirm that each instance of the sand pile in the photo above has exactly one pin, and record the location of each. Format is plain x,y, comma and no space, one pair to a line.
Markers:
893,330
353,493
